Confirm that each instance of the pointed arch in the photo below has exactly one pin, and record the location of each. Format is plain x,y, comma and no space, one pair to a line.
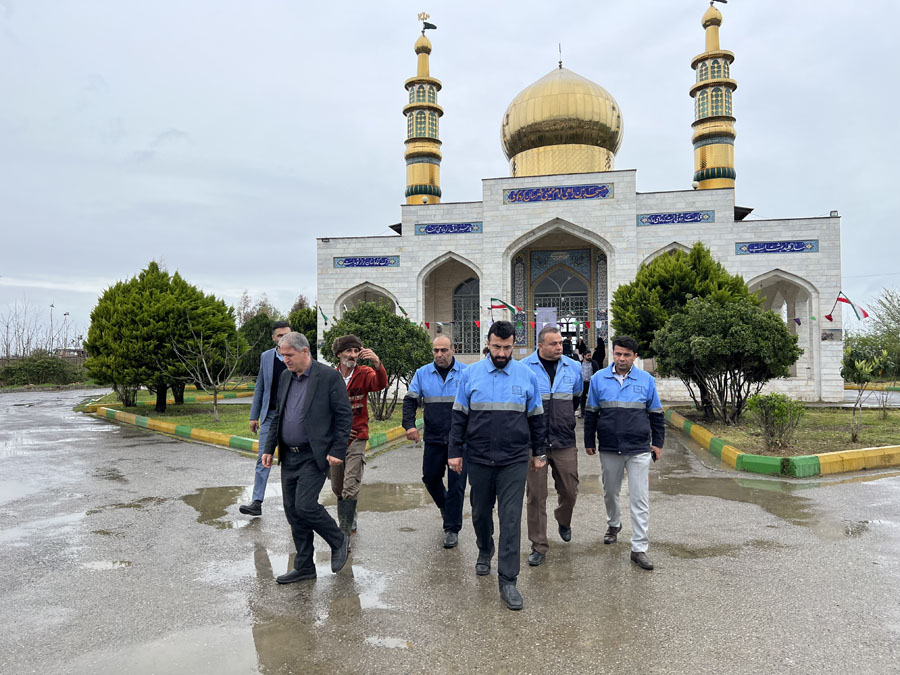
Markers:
668,248
440,260
563,226
776,275
442,304
364,287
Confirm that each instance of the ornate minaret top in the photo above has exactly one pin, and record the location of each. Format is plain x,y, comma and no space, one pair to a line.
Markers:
423,144
713,125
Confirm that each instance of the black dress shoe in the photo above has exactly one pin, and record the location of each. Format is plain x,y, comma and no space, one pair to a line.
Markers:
254,508
640,559
565,533
339,554
610,536
296,575
535,558
483,564
511,597
451,539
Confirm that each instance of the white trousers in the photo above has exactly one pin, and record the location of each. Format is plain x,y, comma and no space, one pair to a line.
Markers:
613,467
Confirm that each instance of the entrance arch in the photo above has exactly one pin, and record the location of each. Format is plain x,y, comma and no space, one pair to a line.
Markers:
450,295
364,292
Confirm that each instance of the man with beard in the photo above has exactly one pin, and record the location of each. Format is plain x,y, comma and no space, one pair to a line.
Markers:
360,380
498,419
434,386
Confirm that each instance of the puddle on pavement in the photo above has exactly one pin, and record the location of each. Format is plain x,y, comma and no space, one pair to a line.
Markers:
383,497
696,552
141,503
212,505
108,533
56,525
10,491
101,565
110,473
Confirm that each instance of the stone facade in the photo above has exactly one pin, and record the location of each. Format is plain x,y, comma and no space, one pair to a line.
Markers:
795,262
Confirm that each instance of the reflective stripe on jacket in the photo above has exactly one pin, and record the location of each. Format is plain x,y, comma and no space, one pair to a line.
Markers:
436,395
626,419
558,399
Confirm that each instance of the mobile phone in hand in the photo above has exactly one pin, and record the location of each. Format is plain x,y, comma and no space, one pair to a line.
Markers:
653,455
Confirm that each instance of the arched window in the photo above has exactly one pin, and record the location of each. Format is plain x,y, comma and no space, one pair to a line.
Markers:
420,92
412,94
466,335
702,105
726,69
568,294
703,72
728,102
432,95
409,125
433,124
715,102
716,70
420,123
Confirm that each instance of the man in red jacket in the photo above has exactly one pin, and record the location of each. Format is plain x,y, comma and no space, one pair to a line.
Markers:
360,380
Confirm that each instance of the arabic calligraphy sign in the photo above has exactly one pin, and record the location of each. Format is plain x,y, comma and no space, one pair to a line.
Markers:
558,194
645,219
369,261
449,228
796,246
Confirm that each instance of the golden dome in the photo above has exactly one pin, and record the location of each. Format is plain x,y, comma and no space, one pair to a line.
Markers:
423,45
713,17
564,111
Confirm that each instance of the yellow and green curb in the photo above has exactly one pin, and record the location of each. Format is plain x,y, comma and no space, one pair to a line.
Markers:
240,443
873,387
802,466
198,398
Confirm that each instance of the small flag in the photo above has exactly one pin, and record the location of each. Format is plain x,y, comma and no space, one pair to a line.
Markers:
345,308
829,317
403,311
323,315
856,308
440,324
532,324
796,321
478,323
497,303
587,324
812,318
427,325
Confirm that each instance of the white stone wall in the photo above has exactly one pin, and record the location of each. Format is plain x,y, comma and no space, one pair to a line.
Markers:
611,225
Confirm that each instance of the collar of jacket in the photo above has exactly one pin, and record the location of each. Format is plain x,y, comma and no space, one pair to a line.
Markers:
455,368
612,372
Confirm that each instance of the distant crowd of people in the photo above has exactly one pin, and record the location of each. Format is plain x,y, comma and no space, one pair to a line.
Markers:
498,425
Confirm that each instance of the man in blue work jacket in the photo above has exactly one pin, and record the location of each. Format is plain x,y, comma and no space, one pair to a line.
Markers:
434,387
561,386
624,419
498,419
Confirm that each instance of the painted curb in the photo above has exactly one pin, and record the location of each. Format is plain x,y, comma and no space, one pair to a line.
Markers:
801,466
199,398
875,387
245,445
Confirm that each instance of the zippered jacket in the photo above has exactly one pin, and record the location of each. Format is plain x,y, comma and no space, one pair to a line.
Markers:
436,395
363,380
497,416
626,419
560,399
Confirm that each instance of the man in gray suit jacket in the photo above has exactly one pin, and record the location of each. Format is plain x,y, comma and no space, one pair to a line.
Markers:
271,365
311,428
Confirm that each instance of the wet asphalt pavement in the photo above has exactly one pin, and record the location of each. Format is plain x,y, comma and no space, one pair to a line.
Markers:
123,551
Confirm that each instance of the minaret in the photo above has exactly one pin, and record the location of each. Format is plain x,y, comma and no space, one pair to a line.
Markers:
713,125
423,144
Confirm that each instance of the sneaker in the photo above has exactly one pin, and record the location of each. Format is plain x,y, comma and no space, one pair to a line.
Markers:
254,508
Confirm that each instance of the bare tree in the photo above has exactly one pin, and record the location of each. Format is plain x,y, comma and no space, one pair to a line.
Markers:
302,302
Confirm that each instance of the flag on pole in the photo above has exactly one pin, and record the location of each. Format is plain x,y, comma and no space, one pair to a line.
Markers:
829,317
497,303
856,308
427,325
478,323
796,321
323,314
403,311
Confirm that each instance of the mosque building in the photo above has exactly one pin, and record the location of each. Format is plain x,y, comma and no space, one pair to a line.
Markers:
551,242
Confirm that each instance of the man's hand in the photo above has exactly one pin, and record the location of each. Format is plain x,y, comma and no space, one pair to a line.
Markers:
656,451
267,460
455,463
537,464
412,434
333,461
370,356
254,426
590,451
353,434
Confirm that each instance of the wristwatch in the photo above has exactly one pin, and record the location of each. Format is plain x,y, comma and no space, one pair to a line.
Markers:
543,458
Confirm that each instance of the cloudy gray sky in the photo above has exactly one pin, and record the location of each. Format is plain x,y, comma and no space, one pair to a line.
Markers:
221,137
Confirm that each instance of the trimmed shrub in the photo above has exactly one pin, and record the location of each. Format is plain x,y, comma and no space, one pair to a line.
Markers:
777,416
41,368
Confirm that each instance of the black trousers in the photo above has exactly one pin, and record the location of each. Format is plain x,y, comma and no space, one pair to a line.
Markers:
505,486
584,394
450,499
301,483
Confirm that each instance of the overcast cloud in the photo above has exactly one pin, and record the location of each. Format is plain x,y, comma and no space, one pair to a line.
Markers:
222,137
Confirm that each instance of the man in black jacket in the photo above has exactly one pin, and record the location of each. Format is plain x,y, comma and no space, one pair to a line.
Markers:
311,428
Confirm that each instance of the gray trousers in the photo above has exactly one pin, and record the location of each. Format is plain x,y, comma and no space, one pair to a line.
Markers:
613,467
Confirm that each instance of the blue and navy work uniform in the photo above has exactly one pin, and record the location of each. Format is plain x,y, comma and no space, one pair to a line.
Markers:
436,394
499,420
623,418
560,398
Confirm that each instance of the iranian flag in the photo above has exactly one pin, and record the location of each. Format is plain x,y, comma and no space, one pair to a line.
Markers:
859,311
497,303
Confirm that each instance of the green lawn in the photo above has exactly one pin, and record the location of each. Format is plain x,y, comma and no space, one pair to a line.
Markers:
144,395
233,418
820,430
